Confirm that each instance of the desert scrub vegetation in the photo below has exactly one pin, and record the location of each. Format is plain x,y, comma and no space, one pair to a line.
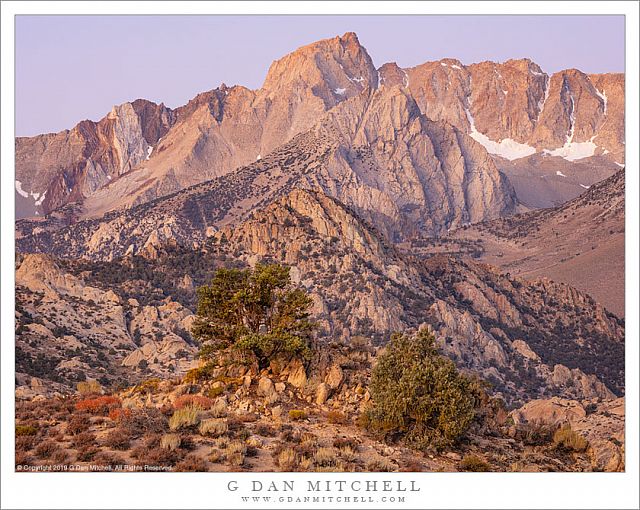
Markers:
297,415
89,388
184,418
170,442
255,312
214,427
473,463
418,395
26,430
568,440
287,459
99,405
380,465
192,400
191,463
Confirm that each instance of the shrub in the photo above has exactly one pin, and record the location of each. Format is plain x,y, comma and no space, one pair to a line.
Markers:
83,439
99,405
346,442
336,417
91,387
170,442
119,414
262,429
297,414
108,459
192,400
184,418
191,463
567,439
149,386
474,463
24,443
287,459
235,452
78,424
144,420
117,439
418,394
215,391
26,430
213,427
45,449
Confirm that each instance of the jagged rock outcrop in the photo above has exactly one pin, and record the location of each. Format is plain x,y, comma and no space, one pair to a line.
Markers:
68,330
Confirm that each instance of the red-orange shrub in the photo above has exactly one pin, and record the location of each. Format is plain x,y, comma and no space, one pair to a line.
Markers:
118,413
193,400
99,405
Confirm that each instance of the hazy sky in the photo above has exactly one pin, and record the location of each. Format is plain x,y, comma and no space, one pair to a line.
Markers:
70,68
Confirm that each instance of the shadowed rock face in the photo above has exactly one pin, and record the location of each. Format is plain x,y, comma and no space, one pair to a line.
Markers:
142,151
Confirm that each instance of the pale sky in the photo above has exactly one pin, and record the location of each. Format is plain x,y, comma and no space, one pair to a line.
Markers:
71,68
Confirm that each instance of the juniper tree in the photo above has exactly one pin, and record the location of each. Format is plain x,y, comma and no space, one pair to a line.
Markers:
255,311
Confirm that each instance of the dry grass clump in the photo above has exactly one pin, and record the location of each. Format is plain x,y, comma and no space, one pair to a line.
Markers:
567,439
325,457
170,442
287,459
184,418
89,387
348,454
235,453
192,401
213,427
474,463
380,465
191,463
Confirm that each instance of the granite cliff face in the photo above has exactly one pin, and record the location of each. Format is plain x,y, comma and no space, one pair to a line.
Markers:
54,169
514,109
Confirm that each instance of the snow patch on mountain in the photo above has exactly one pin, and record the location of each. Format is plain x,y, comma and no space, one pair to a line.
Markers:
505,148
573,151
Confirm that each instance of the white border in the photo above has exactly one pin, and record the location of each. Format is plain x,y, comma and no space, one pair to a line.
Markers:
182,490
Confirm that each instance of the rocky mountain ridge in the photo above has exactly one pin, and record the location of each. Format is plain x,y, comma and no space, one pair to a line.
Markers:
142,151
